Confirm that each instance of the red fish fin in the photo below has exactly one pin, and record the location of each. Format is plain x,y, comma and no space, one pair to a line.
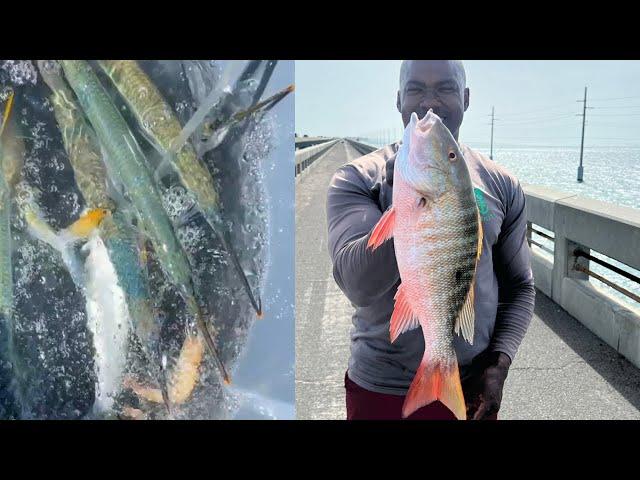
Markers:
383,230
402,319
436,382
466,317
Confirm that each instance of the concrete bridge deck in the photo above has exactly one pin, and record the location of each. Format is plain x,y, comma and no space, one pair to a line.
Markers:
562,370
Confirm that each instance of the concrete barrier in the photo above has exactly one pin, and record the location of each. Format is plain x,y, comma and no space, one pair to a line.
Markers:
304,142
363,148
585,224
306,156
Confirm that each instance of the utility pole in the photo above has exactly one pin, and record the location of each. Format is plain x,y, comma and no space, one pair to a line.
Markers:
584,117
492,119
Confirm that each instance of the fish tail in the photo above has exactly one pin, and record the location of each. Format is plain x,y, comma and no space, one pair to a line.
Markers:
436,381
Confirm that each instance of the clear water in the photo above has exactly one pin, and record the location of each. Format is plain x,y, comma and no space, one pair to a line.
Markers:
74,343
611,174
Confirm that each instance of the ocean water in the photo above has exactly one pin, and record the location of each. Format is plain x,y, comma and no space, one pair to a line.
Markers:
72,340
611,174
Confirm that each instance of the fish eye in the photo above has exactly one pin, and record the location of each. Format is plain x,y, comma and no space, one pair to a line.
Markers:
452,156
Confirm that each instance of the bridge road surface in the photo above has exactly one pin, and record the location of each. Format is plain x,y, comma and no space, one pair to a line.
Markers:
562,371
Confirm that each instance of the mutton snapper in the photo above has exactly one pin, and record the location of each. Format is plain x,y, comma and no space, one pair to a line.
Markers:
437,232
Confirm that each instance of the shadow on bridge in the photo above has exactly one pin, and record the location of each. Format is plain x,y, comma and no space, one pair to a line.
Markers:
617,371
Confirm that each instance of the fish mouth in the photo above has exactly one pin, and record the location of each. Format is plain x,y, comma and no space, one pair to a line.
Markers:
426,123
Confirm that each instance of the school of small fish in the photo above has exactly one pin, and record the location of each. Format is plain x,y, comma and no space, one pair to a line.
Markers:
105,111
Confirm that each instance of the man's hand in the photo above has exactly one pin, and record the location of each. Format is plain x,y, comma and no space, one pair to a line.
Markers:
485,384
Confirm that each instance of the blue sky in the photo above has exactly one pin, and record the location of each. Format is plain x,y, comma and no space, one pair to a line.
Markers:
535,101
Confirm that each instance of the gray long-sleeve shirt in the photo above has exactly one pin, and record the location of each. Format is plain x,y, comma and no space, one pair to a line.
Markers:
504,296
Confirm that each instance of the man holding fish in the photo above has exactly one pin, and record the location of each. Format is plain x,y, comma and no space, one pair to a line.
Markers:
428,242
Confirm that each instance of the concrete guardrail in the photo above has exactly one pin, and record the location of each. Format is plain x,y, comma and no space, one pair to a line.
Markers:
306,156
363,148
586,224
304,142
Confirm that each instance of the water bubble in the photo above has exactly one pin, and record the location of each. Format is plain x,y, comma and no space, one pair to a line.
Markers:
20,72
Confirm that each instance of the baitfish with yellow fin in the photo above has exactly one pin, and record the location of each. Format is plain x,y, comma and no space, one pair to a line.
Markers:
118,235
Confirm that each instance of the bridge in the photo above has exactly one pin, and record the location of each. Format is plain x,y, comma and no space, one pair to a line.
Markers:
580,358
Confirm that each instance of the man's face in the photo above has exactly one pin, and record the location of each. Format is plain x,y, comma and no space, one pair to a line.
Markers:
433,84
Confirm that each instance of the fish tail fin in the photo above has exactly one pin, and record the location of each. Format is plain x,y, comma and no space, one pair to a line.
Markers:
383,229
439,381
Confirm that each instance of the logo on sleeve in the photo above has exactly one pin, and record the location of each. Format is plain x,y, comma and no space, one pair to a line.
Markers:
482,204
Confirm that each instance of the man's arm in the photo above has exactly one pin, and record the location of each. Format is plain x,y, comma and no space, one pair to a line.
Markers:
352,212
512,263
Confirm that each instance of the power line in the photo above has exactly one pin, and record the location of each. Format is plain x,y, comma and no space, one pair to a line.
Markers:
616,114
617,98
615,108
539,119
542,109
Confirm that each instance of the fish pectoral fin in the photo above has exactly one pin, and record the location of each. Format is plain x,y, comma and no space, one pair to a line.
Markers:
402,319
466,318
383,230
440,381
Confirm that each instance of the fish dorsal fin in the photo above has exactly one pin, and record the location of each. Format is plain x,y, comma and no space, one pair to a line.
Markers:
383,230
466,318
402,319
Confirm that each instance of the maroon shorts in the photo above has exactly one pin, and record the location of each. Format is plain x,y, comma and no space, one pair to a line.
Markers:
363,404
